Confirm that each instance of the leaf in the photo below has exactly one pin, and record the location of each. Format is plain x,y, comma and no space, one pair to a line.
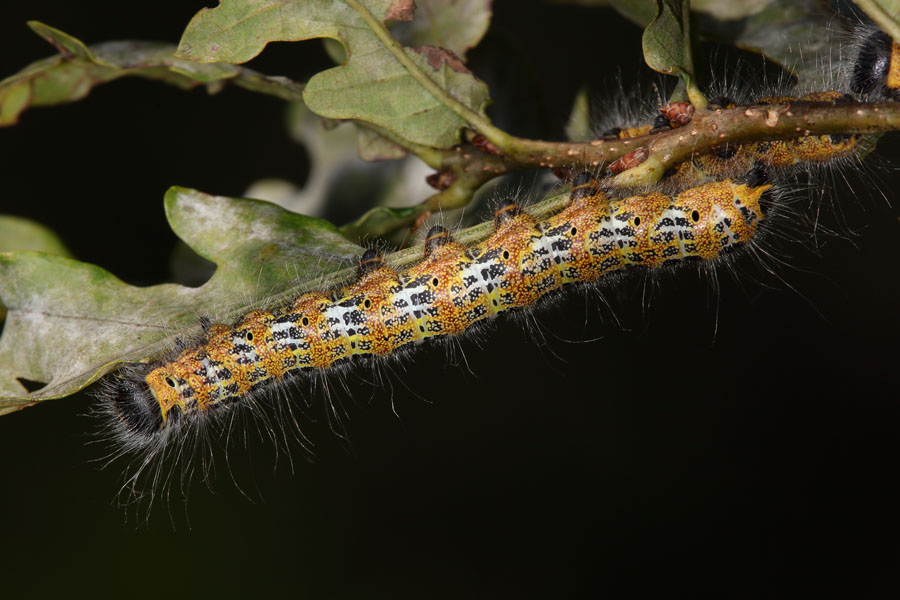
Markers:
70,322
777,30
667,46
640,12
376,218
71,75
457,25
371,86
17,233
579,126
372,147
729,10
774,28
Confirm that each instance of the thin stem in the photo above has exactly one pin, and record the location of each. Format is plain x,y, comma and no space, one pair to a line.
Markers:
472,168
693,92
784,121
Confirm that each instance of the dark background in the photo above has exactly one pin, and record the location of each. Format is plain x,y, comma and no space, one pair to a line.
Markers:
739,442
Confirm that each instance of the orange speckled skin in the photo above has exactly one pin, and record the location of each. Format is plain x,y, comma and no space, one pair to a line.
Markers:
893,76
454,287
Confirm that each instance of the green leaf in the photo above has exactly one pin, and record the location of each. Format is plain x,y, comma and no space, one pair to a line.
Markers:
457,25
730,10
71,75
774,28
372,147
579,126
373,85
667,46
640,12
70,322
17,233
379,218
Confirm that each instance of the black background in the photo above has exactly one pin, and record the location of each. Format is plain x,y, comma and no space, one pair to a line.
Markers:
741,451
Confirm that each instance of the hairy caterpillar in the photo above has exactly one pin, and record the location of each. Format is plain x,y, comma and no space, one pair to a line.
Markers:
450,291
384,312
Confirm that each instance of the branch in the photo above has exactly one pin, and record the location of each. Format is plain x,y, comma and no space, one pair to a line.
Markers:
782,121
469,167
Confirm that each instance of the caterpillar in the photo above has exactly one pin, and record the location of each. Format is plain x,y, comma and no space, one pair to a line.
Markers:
709,206
451,291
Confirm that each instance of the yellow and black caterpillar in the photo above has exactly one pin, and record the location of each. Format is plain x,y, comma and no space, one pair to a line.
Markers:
451,290
706,207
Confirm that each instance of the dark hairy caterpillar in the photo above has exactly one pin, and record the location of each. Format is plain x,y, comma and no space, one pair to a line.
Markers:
451,290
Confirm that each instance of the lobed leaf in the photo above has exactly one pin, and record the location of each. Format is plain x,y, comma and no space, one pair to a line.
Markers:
70,322
457,25
372,85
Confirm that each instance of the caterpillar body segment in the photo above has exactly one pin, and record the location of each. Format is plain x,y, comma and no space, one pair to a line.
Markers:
451,289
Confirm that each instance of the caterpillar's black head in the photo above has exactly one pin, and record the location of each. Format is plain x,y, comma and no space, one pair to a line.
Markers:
873,64
135,407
